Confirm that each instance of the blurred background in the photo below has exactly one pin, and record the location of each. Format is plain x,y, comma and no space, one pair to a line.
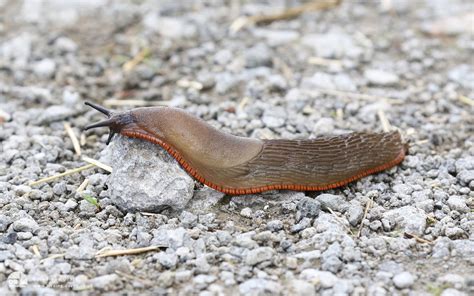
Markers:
264,69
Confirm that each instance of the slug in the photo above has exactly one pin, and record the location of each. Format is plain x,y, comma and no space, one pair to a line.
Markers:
238,165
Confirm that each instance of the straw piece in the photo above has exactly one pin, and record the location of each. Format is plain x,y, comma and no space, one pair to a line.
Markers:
384,121
72,135
36,250
324,62
97,163
108,253
82,186
289,13
128,66
466,100
66,173
340,221
367,207
417,238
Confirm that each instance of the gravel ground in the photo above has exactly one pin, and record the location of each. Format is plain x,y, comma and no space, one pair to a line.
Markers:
324,72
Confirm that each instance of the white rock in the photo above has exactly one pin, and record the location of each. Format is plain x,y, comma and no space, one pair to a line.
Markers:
380,77
403,280
324,278
44,68
413,220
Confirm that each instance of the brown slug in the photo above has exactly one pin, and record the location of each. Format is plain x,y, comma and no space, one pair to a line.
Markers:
238,165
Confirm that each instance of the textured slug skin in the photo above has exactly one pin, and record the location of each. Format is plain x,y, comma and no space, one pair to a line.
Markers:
237,165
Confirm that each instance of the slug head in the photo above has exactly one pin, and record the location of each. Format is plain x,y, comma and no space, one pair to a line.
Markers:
115,121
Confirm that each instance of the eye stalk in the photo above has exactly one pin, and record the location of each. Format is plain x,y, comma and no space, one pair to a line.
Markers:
112,122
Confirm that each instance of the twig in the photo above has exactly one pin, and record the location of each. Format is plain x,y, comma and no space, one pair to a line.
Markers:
108,253
417,238
139,103
73,137
128,66
340,221
66,173
82,186
289,13
97,163
384,121
367,207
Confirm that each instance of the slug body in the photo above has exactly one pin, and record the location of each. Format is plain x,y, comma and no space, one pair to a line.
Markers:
238,165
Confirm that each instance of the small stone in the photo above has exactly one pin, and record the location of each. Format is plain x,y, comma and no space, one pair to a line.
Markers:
413,220
44,68
277,37
403,280
203,200
381,78
55,113
303,224
166,279
183,276
59,188
246,212
324,278
5,221
333,45
354,213
402,189
275,225
452,292
105,282
254,287
65,44
71,98
258,56
167,260
308,207
70,205
334,202
458,203
466,176
171,27
25,224
87,209
188,219
259,255
203,280
302,288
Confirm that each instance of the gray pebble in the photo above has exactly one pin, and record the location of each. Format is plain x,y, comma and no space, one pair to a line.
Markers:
25,224
254,287
334,202
259,255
